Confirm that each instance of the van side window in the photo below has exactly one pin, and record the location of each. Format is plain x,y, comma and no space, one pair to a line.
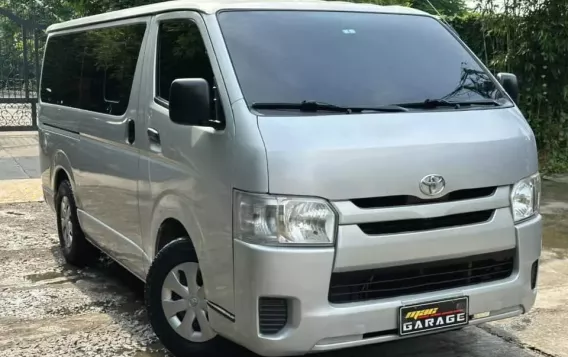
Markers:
92,70
182,54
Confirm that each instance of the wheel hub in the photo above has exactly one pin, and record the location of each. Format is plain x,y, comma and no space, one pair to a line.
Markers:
66,223
184,303
193,302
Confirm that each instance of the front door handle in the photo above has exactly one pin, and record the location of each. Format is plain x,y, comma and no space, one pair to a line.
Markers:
131,129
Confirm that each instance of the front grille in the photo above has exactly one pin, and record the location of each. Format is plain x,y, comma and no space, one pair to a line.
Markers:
420,278
406,200
424,224
272,315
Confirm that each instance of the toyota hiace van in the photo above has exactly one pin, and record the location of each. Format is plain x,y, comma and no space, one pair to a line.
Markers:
295,176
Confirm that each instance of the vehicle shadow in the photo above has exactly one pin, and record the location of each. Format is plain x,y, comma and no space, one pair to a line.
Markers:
112,290
116,292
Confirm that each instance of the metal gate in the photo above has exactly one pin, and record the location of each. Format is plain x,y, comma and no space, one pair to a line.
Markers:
21,42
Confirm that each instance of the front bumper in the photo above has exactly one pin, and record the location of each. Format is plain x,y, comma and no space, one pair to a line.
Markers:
303,275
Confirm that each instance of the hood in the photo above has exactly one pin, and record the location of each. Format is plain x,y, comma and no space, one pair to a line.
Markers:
341,157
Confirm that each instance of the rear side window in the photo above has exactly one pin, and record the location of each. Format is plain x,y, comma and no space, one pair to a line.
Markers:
92,70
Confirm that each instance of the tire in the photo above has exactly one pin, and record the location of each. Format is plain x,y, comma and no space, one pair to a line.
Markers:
75,248
176,258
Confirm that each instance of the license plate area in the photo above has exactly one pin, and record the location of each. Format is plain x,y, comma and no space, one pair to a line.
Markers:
433,316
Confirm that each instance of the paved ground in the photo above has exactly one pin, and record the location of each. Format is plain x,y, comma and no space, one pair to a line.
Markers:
18,156
19,167
50,309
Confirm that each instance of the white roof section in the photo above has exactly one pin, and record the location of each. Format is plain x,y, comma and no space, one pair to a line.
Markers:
212,6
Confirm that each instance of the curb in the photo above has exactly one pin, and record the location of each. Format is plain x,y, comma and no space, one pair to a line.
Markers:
19,133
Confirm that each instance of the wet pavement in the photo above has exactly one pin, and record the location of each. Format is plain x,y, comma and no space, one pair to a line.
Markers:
544,328
555,208
50,309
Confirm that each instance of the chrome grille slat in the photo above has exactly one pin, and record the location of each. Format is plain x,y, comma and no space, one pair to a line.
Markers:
426,224
409,200
351,214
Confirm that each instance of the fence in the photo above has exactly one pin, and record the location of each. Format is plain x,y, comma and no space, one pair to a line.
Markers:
21,42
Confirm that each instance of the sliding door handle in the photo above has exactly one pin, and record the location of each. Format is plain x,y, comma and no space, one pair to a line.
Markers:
131,131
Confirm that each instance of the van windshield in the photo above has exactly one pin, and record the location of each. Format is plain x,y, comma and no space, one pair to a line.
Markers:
351,59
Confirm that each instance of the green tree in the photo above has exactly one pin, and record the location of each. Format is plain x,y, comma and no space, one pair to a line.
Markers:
444,7
528,38
43,12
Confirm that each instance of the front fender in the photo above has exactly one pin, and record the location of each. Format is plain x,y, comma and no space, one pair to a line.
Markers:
173,206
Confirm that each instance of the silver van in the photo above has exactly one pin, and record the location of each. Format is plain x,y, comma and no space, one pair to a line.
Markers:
295,176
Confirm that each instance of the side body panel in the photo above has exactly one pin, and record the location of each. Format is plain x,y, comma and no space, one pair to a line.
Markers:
58,150
189,175
94,150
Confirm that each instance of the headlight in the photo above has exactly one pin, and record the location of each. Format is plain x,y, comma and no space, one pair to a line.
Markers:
525,198
279,220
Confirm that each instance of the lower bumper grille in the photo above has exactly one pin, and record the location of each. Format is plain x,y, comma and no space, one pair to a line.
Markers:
272,315
420,278
534,274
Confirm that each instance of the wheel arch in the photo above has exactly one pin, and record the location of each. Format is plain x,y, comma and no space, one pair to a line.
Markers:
61,169
59,176
170,229
172,215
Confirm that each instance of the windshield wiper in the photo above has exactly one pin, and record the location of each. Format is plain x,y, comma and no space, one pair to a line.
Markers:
437,103
313,106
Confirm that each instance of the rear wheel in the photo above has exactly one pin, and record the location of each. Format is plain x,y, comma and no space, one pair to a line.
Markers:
74,246
177,305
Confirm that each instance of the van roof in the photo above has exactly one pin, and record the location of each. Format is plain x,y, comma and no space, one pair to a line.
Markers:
212,6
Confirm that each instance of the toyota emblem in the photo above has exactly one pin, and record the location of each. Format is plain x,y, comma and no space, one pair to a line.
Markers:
432,185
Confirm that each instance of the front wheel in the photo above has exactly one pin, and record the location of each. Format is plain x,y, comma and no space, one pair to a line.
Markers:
177,305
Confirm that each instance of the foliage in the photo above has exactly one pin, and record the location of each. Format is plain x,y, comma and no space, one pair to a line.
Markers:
44,12
36,14
444,7
525,37
530,39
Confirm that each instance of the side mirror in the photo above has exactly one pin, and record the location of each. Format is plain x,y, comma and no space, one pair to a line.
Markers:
189,102
510,84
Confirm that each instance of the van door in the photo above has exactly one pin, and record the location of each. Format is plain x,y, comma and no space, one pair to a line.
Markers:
106,175
187,169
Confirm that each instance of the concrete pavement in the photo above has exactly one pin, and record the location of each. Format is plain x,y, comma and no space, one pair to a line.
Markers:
19,167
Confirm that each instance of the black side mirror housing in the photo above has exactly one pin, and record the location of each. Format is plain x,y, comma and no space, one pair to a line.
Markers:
510,84
190,102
